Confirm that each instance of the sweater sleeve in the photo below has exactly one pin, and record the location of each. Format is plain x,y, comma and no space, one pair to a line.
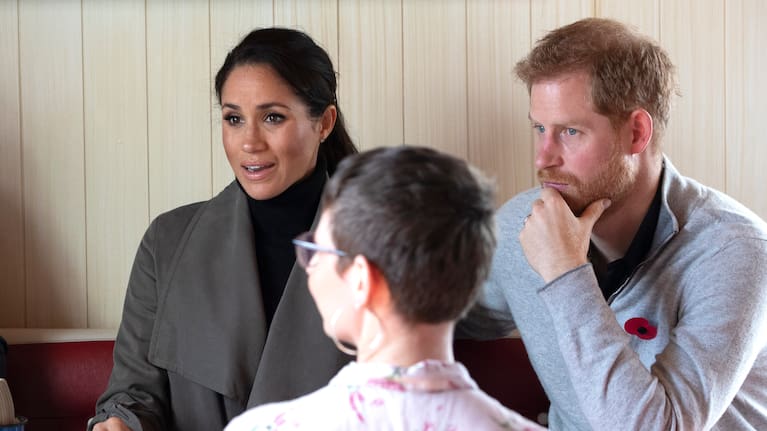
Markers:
711,349
491,316
137,390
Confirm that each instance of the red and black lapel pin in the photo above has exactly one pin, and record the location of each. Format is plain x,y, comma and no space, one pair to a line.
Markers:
640,327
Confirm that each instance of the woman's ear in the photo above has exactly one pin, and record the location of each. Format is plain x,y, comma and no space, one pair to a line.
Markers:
369,287
327,122
361,281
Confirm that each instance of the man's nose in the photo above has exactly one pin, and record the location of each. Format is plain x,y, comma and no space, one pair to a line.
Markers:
547,152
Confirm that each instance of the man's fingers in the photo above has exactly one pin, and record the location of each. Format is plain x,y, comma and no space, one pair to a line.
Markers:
592,212
548,193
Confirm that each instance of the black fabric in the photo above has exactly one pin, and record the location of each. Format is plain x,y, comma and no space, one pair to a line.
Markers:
612,276
276,222
3,361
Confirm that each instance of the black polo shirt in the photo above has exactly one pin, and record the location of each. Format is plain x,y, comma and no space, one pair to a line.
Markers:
611,276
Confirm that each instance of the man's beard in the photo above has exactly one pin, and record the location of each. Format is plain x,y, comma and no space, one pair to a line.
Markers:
614,181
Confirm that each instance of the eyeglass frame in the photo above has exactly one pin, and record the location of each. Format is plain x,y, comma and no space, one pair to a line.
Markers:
306,248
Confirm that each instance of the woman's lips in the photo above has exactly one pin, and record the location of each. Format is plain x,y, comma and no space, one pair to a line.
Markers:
257,171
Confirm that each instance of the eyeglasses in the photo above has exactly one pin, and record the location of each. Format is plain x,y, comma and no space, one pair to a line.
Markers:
306,248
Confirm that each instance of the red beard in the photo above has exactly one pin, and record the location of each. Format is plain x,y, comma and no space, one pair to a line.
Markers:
614,181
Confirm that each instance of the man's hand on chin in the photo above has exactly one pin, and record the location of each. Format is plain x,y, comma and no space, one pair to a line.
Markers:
553,239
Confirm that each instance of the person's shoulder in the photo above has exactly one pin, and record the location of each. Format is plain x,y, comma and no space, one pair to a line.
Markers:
520,203
181,215
306,412
495,415
705,211
488,413
517,208
264,417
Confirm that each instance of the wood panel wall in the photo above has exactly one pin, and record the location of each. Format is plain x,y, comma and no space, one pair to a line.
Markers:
108,115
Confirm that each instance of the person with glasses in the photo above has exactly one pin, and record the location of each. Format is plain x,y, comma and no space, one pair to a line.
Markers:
217,317
404,241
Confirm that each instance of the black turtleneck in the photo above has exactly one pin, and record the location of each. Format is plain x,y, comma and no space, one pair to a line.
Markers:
276,222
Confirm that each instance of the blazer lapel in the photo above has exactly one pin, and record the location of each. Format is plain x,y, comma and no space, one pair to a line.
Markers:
297,338
210,326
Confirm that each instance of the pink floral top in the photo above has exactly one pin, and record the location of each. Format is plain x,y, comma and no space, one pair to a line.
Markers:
428,396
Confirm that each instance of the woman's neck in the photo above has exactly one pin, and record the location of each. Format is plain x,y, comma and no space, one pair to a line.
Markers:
396,343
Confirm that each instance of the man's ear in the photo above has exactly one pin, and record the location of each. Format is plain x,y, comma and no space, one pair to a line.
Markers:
641,125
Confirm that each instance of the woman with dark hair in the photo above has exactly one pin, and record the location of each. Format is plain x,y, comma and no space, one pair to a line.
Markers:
217,318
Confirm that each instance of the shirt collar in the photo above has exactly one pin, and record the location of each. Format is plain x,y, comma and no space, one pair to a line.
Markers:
612,276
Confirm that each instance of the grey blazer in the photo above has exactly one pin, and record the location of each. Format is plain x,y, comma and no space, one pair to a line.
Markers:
193,349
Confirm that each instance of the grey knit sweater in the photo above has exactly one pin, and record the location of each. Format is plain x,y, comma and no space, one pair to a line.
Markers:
680,346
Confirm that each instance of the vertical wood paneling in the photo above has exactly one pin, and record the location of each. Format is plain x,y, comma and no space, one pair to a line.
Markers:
107,122
370,71
230,21
746,102
318,18
642,14
500,141
50,47
178,78
546,15
693,34
117,198
435,94
12,309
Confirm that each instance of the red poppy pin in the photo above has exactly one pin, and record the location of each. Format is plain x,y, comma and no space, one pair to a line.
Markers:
640,327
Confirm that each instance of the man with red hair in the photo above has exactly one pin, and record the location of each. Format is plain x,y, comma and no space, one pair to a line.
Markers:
640,294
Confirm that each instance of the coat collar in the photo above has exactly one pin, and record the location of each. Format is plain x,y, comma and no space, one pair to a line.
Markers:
668,225
210,325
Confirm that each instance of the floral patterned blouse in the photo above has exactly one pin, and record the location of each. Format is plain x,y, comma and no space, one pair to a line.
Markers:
428,396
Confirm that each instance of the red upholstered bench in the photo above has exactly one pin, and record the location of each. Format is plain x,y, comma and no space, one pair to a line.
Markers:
501,368
55,376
